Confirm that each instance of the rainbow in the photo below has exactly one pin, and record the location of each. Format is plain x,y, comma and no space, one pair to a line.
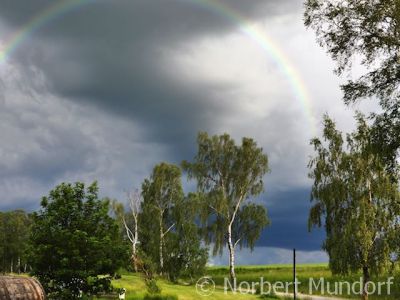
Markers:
61,8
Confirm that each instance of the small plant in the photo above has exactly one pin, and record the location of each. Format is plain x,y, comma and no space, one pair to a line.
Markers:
152,286
146,267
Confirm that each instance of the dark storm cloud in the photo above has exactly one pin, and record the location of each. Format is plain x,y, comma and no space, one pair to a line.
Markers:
115,57
288,213
178,16
46,140
114,54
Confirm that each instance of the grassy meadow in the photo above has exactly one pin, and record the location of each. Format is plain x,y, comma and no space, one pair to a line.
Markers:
136,288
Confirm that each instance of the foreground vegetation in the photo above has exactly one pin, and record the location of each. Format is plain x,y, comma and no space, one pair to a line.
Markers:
136,288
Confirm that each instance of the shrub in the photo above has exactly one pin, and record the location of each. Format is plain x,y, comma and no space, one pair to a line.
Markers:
73,241
152,286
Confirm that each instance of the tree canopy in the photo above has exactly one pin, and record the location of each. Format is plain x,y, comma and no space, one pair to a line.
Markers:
74,240
168,233
228,175
353,30
366,30
356,198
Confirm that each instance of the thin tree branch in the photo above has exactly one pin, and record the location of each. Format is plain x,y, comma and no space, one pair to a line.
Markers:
168,230
129,233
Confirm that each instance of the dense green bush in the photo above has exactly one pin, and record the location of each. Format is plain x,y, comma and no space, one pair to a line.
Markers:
74,243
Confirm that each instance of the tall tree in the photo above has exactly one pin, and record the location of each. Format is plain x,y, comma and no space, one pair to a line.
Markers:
169,234
74,239
227,177
130,221
135,201
353,30
162,193
187,257
355,196
361,29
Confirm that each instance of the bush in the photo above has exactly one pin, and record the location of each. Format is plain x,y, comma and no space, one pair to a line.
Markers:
152,286
73,241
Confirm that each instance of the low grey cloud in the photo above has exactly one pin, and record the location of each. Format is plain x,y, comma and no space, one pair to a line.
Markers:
46,139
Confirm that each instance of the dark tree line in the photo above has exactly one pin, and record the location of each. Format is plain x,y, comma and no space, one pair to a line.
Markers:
14,241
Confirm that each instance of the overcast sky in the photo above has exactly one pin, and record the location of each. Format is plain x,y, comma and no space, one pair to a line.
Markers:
108,89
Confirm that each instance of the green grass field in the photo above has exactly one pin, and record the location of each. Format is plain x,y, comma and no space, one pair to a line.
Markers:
136,288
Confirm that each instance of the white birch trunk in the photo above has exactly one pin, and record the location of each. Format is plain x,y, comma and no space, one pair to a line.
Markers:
135,201
231,248
161,245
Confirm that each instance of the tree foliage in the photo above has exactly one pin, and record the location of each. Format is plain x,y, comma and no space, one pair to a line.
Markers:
14,241
74,240
129,221
162,193
366,29
355,196
386,138
187,257
168,233
227,176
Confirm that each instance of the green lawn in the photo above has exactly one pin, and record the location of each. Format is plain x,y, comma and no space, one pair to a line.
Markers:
136,289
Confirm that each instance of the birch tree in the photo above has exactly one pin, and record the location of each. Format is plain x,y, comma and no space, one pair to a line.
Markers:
356,198
227,177
366,32
132,228
162,193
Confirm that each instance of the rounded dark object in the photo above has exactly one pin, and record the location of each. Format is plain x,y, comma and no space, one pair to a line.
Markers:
20,288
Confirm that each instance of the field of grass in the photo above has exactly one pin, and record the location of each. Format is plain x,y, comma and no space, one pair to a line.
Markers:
305,272
136,288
